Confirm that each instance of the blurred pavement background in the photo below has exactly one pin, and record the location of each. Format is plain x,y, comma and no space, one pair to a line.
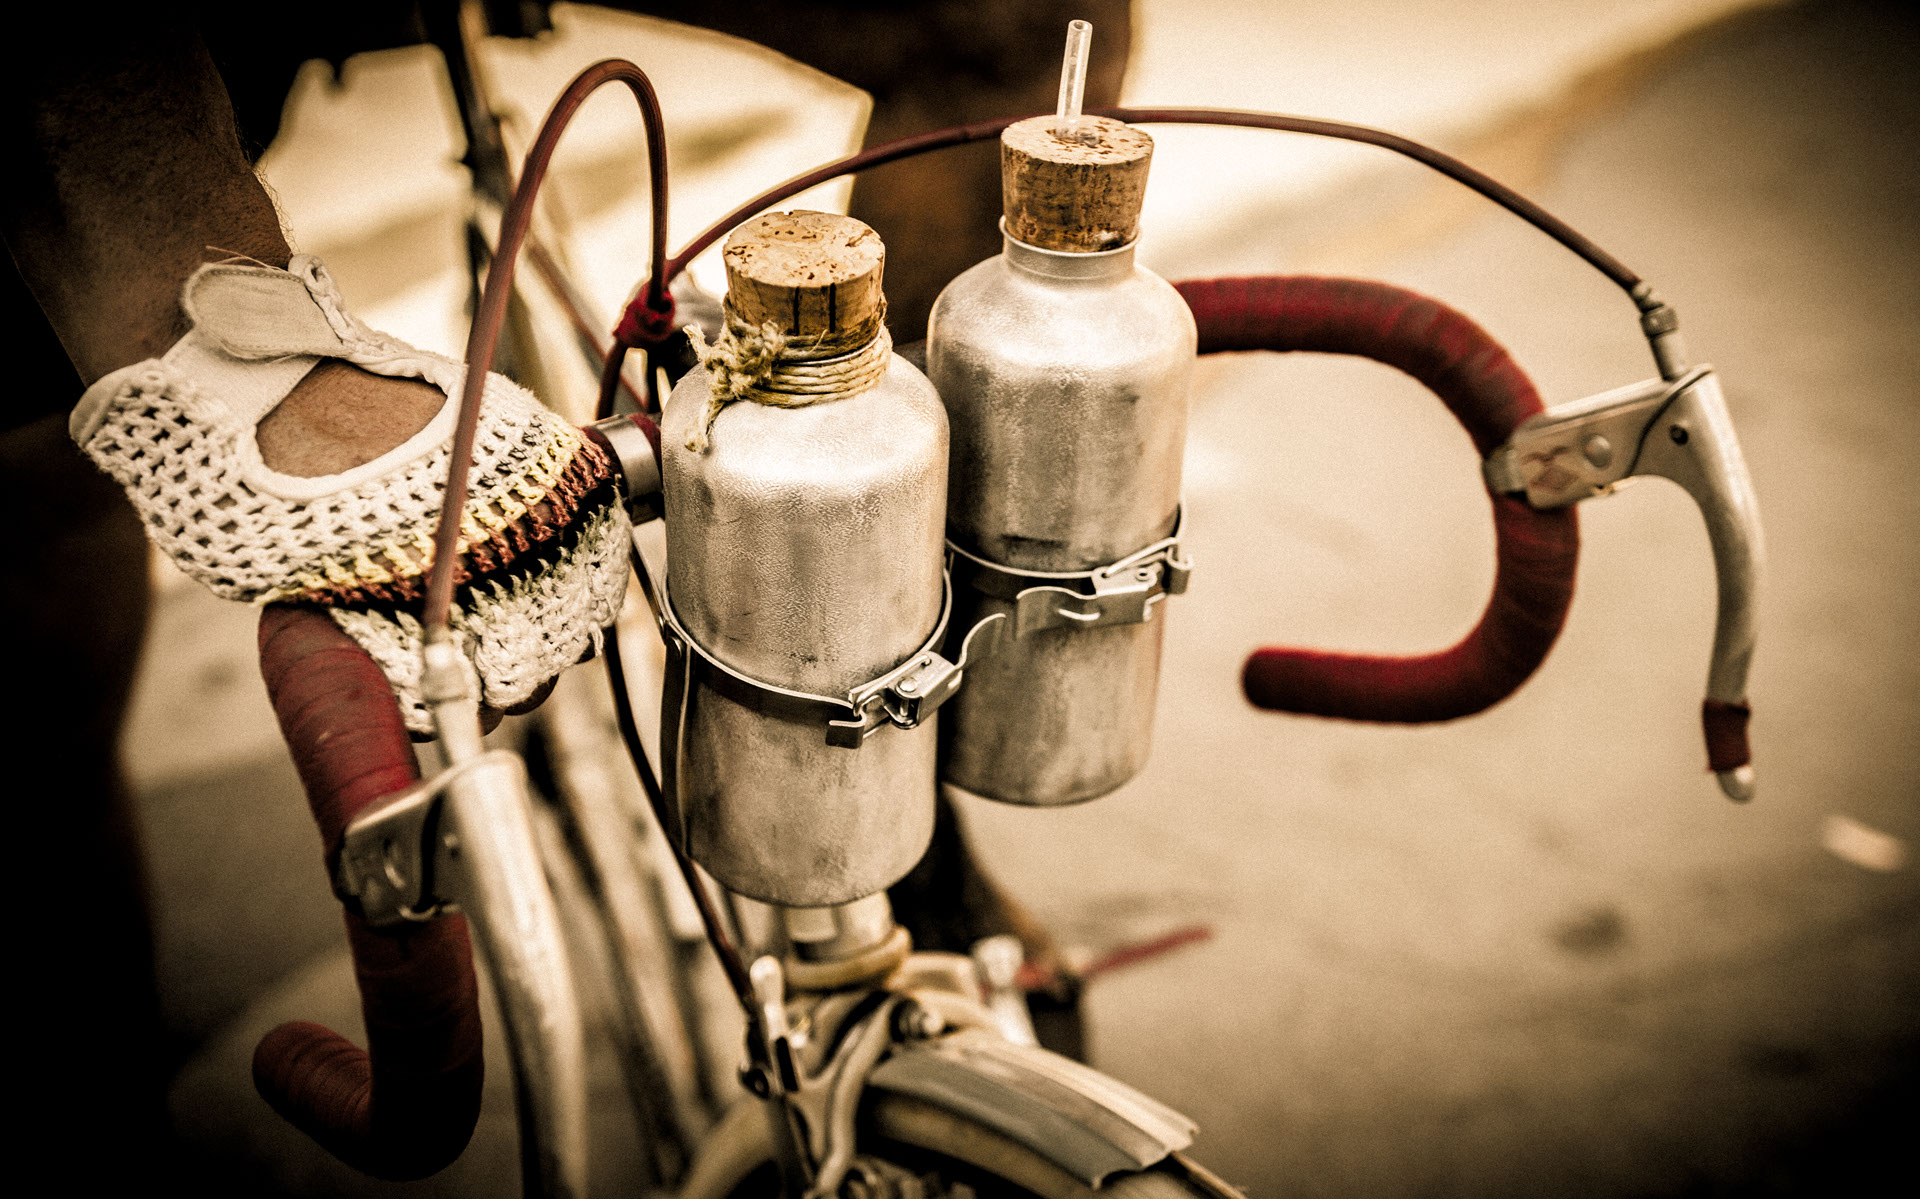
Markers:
1534,952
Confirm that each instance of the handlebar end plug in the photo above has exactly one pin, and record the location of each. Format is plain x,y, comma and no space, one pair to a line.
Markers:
1736,783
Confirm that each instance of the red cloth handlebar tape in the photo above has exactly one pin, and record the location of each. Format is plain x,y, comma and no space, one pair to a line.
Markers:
1535,551
646,425
406,1106
1726,727
640,421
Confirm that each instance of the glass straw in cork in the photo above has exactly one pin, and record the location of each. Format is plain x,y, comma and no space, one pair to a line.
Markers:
1073,82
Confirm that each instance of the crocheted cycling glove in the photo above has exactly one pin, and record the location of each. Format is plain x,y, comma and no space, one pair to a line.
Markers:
535,586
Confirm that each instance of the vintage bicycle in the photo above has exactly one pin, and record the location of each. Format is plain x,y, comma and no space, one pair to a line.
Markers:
869,1068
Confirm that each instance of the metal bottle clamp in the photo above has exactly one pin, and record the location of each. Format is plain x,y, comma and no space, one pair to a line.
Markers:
1122,592
903,696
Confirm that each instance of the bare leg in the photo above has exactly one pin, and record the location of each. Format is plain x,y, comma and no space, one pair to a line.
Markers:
131,177
73,599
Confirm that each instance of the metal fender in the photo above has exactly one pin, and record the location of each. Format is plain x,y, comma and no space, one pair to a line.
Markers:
1083,1122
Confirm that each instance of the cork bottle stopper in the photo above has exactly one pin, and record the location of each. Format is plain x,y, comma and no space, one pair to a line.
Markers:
813,275
1079,196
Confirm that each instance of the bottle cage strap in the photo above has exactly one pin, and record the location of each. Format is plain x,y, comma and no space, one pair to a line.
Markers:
903,696
1121,592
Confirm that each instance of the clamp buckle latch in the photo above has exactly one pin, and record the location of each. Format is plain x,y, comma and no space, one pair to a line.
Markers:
903,697
1119,593
914,691
906,696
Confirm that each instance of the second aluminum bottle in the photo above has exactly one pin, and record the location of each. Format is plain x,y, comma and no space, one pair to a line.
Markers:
1065,369
804,545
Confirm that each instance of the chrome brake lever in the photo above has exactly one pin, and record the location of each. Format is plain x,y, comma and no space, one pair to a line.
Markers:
1678,430
466,837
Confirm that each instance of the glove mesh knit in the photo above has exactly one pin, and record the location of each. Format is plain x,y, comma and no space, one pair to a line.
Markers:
543,535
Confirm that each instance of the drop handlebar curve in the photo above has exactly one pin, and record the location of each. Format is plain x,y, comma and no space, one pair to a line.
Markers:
1536,552
405,1106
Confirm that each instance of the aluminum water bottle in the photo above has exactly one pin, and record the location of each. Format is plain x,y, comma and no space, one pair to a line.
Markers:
804,551
1065,369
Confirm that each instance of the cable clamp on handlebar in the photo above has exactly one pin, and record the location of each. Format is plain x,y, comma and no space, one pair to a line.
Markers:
1121,592
636,460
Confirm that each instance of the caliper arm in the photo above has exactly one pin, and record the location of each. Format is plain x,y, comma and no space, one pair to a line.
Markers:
1679,430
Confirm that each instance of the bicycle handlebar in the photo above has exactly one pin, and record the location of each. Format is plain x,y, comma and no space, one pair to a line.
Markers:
406,1106
1536,552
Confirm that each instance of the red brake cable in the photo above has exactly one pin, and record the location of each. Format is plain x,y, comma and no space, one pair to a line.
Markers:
492,313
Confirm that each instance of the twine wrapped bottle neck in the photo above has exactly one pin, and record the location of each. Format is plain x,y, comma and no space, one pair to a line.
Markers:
763,364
